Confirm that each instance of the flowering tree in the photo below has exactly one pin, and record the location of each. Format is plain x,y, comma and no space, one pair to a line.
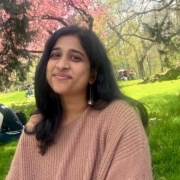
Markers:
50,15
26,25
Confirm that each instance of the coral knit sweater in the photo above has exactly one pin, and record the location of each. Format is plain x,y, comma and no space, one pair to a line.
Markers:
108,144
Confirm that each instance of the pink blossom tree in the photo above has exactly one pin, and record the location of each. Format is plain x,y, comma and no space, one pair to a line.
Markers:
27,24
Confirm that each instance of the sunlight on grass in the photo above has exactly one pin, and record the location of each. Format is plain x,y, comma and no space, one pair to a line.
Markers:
6,154
15,98
165,148
139,91
18,102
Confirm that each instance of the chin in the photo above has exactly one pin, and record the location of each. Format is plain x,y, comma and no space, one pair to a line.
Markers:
60,92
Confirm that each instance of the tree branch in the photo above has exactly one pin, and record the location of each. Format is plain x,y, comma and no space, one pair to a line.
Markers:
144,12
59,19
35,52
89,19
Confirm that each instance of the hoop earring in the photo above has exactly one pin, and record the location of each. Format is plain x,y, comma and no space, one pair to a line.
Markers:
90,101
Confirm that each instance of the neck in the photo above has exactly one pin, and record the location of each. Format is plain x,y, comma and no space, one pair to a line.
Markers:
73,107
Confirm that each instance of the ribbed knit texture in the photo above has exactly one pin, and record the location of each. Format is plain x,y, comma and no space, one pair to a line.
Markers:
101,145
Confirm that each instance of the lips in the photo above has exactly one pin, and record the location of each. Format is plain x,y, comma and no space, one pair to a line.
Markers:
62,76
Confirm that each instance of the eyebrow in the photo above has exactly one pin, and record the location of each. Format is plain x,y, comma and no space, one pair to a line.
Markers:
73,50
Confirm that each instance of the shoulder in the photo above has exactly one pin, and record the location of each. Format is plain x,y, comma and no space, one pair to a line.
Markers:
118,104
122,119
4,109
118,113
121,110
125,127
33,120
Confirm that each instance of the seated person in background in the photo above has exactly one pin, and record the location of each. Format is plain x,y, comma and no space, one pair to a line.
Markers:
11,124
131,75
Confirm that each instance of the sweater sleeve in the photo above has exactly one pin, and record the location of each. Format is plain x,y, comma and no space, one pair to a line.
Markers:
129,149
15,171
134,167
16,168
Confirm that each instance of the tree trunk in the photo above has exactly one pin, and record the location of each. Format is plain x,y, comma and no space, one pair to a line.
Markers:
149,64
141,71
161,62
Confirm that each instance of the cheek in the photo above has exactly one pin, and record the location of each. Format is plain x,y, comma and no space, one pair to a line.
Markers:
85,76
48,71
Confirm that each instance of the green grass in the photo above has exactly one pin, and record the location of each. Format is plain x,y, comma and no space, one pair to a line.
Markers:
165,148
6,155
163,102
17,101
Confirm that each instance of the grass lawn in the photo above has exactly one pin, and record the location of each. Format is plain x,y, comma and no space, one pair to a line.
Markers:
18,101
163,103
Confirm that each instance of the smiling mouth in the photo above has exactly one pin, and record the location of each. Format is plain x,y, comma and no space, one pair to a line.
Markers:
62,77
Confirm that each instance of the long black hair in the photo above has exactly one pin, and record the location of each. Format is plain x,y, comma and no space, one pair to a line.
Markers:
105,88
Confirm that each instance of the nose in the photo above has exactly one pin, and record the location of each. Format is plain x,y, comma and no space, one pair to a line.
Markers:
63,63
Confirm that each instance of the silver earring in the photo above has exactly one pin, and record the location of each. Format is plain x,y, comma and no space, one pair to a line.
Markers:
90,101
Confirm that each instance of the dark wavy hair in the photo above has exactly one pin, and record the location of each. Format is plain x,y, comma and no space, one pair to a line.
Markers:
105,88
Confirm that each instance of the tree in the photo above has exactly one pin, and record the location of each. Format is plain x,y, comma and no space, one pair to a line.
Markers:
15,36
26,25
156,22
48,16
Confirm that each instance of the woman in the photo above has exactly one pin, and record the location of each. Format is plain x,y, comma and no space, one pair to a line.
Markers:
84,127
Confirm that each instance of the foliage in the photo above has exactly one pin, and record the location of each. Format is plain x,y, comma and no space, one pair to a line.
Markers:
152,28
26,25
139,35
162,34
14,38
48,16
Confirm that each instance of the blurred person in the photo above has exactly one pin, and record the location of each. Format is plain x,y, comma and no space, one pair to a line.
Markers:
11,124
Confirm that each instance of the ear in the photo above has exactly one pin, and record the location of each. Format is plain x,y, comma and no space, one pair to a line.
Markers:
93,76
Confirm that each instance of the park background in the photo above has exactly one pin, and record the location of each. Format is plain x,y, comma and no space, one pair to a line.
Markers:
142,36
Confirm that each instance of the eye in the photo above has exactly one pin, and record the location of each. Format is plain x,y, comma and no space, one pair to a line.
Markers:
75,58
55,55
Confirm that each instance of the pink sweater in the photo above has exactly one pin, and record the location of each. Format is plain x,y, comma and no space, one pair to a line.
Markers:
101,145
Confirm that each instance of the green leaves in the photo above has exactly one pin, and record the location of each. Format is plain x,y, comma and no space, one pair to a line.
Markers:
15,35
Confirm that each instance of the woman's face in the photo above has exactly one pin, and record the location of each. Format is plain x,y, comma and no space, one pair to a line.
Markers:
68,68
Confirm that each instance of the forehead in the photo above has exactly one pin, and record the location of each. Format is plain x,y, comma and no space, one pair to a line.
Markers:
68,41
